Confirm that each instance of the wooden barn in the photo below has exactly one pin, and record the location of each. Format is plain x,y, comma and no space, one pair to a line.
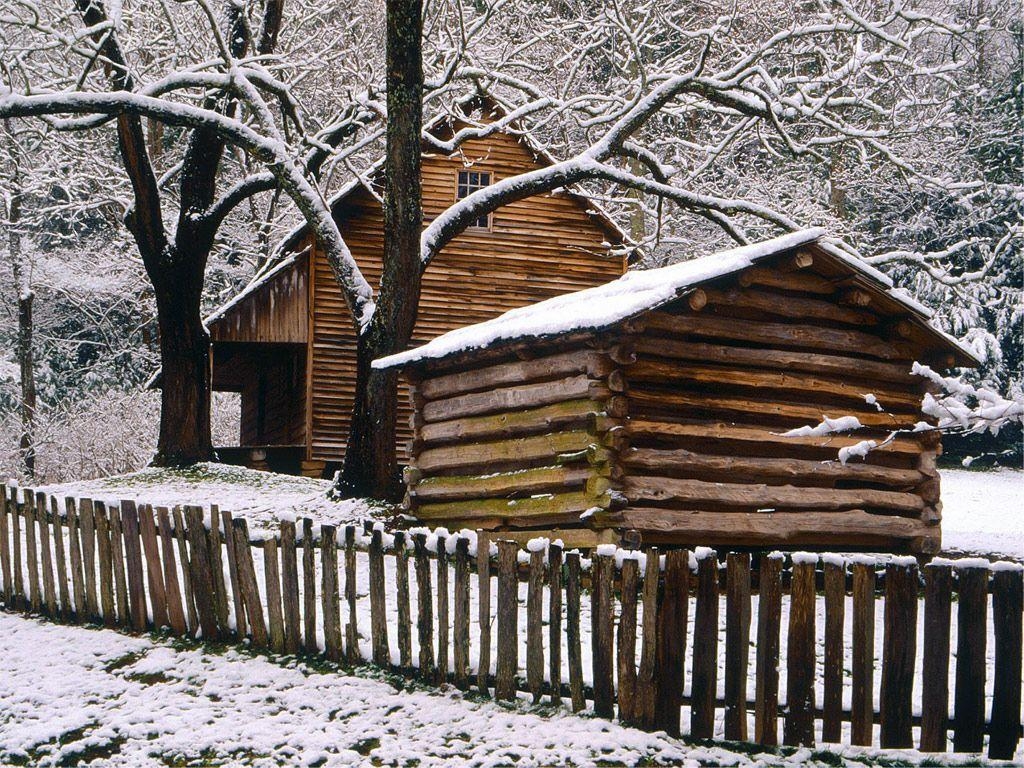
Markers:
688,403
287,343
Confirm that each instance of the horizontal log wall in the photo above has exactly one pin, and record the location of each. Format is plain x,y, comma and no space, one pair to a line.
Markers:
628,661
715,379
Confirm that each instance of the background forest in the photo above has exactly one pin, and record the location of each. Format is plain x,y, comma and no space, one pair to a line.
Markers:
938,207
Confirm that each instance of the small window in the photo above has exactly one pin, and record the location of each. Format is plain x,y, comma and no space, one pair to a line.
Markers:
470,182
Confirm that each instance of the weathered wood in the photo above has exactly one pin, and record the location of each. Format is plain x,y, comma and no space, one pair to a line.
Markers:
938,580
154,569
75,554
17,523
329,591
186,571
247,582
402,599
201,572
1007,607
574,652
508,622
797,307
646,682
500,484
46,555
352,652
309,641
800,657
290,589
483,570
133,566
705,649
116,531
863,707
60,559
971,644
759,495
28,513
555,622
424,607
272,582
220,591
512,450
517,423
769,621
237,604
545,509
534,625
602,634
5,552
460,629
175,606
443,612
835,610
671,643
898,650
378,606
626,650
804,282
104,557
737,644
512,398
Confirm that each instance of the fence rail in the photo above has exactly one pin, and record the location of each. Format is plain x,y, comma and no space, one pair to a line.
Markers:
643,656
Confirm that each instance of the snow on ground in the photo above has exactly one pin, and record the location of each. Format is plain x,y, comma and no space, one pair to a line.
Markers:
261,497
983,512
71,696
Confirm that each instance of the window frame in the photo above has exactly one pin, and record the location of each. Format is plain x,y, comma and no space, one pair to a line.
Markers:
476,226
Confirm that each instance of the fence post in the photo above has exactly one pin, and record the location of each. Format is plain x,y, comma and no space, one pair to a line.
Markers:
898,650
671,642
175,607
424,607
572,630
737,644
461,611
555,621
769,621
236,590
352,651
442,609
106,563
508,621
602,633
18,576
938,580
309,641
330,593
402,597
800,655
626,658
154,570
133,563
116,531
535,625
31,551
5,550
646,684
290,588
835,610
378,608
186,570
60,559
46,555
77,575
220,592
705,648
971,643
202,576
272,581
1007,586
247,581
862,717
483,570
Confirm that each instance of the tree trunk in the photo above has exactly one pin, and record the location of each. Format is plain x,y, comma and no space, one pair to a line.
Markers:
26,363
371,466
185,358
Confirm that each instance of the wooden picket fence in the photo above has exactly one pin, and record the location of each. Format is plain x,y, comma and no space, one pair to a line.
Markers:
194,573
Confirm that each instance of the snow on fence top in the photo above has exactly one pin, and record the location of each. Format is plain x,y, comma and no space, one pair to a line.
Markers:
632,294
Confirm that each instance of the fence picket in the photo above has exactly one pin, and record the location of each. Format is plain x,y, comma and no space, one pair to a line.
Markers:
175,607
378,605
673,611
116,531
1007,606
247,583
647,689
572,630
424,606
737,644
75,547
309,641
154,568
188,592
272,581
290,588
105,559
61,560
87,526
898,649
799,722
766,673
442,609
236,591
705,649
483,570
535,626
555,622
133,564
460,629
202,574
5,550
935,665
402,598
508,621
330,594
971,642
46,555
626,652
35,597
352,651
835,609
220,591
862,716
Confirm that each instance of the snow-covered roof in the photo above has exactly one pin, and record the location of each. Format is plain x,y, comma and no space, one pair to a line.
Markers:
634,293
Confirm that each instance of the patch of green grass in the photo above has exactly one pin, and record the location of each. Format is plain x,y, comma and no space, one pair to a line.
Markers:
123,661
148,678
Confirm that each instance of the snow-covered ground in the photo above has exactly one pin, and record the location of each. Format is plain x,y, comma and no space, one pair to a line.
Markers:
983,512
71,696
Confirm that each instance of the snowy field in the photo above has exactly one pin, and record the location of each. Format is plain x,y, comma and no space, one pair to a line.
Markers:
983,512
73,696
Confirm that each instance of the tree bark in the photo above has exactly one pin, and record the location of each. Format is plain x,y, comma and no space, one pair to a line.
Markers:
371,467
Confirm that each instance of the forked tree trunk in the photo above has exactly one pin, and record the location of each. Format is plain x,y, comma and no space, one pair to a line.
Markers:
371,466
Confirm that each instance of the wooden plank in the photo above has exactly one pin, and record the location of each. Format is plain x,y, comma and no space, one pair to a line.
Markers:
17,523
835,609
797,307
220,591
519,481
290,588
737,644
671,642
443,613
602,633
800,656
938,580
460,629
424,607
509,398
402,598
75,550
626,642
555,622
46,555
574,651
705,649
247,582
862,695
60,559
378,606
971,644
133,566
1007,611
201,572
513,450
309,641
237,603
186,571
508,622
272,582
175,606
329,591
517,423
5,550
769,621
117,563
898,650
104,557
31,551
534,511
646,682
534,626
154,569
352,652
483,570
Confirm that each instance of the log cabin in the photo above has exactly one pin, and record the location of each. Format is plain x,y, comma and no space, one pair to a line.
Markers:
286,342
726,400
